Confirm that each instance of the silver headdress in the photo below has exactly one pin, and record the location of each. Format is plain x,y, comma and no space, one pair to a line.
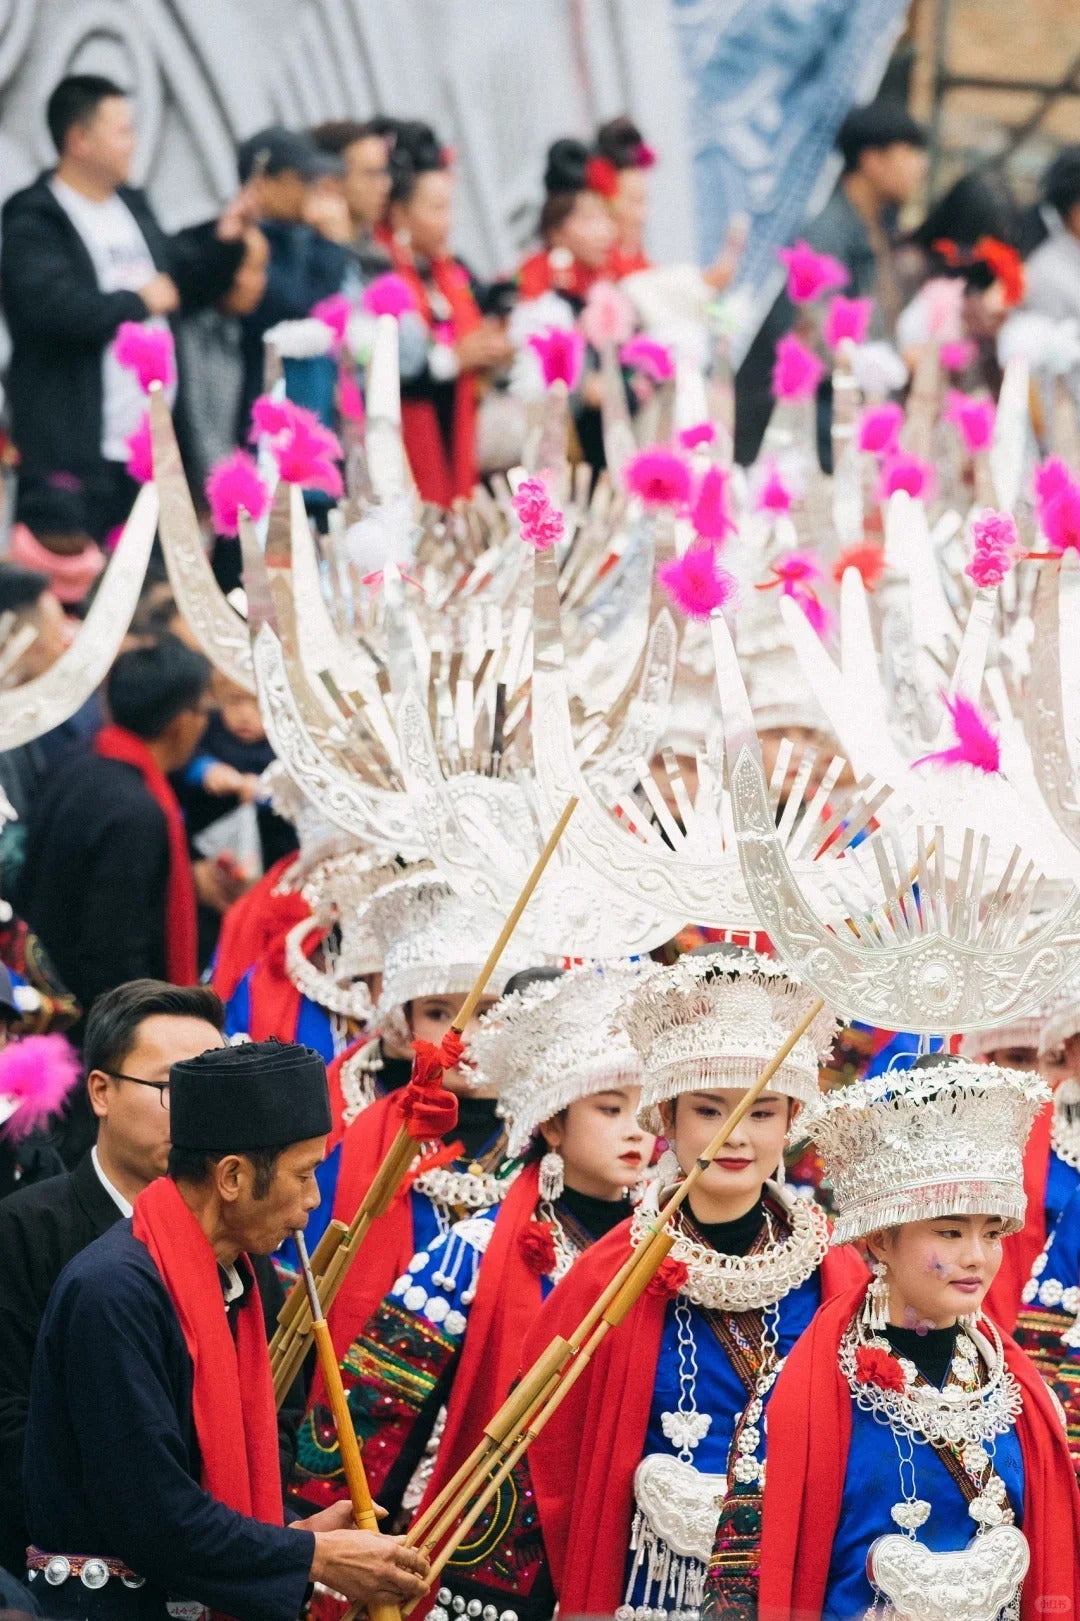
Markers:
715,1021
1060,1016
338,889
940,1140
554,1042
434,943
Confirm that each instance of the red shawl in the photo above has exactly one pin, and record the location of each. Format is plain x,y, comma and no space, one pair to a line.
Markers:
274,1001
620,263
181,937
251,924
1019,1250
232,1390
508,1297
809,1436
441,477
582,1464
537,276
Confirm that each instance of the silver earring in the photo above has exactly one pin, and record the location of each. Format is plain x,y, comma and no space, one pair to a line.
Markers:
781,1173
551,1176
875,1312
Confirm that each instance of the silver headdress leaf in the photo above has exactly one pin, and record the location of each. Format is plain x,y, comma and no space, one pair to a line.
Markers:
716,1021
49,699
1052,686
546,1046
914,1144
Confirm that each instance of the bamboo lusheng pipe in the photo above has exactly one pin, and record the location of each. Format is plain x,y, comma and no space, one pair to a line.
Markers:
292,1347
475,1479
363,1504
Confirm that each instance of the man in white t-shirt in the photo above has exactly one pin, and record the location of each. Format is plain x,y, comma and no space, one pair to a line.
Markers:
81,252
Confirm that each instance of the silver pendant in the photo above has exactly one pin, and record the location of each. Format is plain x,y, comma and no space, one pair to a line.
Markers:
970,1584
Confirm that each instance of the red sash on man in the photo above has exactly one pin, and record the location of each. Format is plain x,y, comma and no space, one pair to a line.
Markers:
441,476
181,936
809,1437
232,1389
582,1464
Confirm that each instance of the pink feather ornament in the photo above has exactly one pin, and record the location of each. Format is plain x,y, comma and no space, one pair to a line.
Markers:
958,355
140,449
233,483
976,742
647,356
694,582
810,274
333,312
709,514
798,574
148,351
996,544
698,434
388,295
972,418
1060,519
350,399
878,432
38,1073
904,472
608,316
658,477
542,524
561,355
272,417
773,494
306,455
797,371
847,318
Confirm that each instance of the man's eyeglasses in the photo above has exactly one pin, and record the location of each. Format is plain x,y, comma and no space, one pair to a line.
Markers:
160,1087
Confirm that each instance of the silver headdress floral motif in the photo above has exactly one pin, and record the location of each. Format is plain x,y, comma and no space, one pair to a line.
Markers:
715,1021
554,1042
434,943
940,1140
1060,1016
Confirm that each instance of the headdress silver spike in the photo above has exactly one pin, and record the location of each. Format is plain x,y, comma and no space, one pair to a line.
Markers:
49,699
940,960
1053,680
387,464
220,631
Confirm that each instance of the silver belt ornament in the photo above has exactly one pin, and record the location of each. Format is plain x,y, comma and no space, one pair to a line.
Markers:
94,1573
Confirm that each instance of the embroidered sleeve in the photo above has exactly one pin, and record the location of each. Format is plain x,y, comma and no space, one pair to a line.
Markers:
1048,1327
398,1366
502,1563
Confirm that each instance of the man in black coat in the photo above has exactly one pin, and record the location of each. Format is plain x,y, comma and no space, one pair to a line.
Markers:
134,1036
81,252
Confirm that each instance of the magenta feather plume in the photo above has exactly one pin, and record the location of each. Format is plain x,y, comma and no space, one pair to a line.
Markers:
148,351
271,417
709,514
388,295
608,316
973,418
810,274
797,371
140,449
976,742
333,312
645,355
234,483
38,1073
878,431
1057,502
847,318
658,477
699,433
307,455
561,355
541,523
695,583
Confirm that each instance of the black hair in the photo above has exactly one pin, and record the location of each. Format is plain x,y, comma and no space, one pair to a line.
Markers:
567,161
149,686
874,127
336,135
113,1022
75,101
532,976
194,1166
1061,182
620,141
20,588
974,207
416,151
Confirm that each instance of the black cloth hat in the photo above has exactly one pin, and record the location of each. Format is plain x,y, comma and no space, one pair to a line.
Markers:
276,149
263,1094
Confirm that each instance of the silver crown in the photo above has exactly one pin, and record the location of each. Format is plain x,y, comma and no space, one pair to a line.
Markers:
716,1021
434,943
553,1042
1060,1016
911,1145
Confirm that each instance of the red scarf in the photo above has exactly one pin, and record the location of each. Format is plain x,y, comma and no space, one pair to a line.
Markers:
1019,1250
274,1001
809,1436
537,276
508,1297
582,1464
181,936
232,1394
252,923
620,263
441,477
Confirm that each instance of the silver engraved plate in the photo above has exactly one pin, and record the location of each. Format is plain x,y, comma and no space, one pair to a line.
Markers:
679,1503
971,1584
94,1574
57,1570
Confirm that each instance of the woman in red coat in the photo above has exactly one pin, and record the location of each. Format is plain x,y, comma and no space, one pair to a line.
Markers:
576,228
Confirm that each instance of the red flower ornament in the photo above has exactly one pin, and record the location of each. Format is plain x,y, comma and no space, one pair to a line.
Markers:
669,1278
537,1245
875,1367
